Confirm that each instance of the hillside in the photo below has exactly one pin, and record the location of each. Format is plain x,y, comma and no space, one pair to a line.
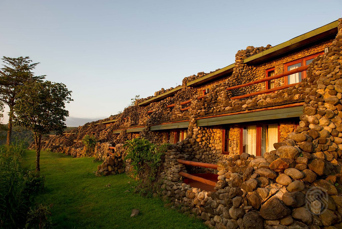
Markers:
20,134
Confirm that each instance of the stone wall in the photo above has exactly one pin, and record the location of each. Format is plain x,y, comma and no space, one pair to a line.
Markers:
251,192
278,190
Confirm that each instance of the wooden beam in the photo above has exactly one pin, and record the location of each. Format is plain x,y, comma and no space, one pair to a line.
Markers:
185,102
300,69
184,109
199,179
200,97
264,91
198,164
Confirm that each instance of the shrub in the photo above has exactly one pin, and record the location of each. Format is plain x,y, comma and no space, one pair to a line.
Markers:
38,217
89,142
146,159
17,187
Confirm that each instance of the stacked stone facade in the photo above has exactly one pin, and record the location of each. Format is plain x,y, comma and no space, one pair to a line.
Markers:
269,191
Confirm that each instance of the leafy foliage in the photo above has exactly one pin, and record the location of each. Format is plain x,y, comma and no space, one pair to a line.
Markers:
17,187
41,108
89,142
146,159
15,73
133,100
38,217
19,135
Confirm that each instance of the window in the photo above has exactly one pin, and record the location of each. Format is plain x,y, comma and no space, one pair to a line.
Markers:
270,73
225,140
249,139
231,139
206,91
258,139
297,77
180,135
272,136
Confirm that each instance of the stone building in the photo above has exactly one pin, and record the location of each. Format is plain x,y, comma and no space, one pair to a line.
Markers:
262,133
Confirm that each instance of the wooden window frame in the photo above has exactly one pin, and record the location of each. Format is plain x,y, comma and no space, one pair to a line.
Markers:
176,137
259,126
241,139
181,135
224,140
286,78
302,61
268,82
309,58
258,139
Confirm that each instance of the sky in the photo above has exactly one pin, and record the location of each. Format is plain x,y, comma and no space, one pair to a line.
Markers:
106,52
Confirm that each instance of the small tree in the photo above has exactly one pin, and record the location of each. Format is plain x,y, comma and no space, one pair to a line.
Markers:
146,159
133,100
89,142
15,73
41,108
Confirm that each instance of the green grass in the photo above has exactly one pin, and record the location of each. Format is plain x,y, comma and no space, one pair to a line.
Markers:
82,200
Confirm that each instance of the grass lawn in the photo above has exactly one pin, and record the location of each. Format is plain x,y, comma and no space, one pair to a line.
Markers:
82,200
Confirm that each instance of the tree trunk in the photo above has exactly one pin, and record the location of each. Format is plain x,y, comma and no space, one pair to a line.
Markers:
38,140
9,132
10,120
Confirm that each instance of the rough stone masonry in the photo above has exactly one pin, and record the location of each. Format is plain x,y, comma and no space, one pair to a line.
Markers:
270,191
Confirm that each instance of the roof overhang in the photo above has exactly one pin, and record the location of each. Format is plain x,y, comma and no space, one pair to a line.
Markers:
211,76
110,121
117,131
160,97
135,130
170,126
325,32
252,116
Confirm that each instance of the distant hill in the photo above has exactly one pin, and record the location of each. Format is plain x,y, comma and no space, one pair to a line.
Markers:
19,134
76,122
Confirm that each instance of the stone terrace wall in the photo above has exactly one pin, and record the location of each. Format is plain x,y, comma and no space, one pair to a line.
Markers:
216,102
251,192
272,191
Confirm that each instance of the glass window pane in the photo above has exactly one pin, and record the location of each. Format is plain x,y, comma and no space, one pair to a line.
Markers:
272,136
271,82
309,61
263,139
296,77
251,140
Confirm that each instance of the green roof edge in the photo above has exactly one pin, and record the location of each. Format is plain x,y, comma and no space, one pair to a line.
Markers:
110,121
295,40
278,47
210,75
160,96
